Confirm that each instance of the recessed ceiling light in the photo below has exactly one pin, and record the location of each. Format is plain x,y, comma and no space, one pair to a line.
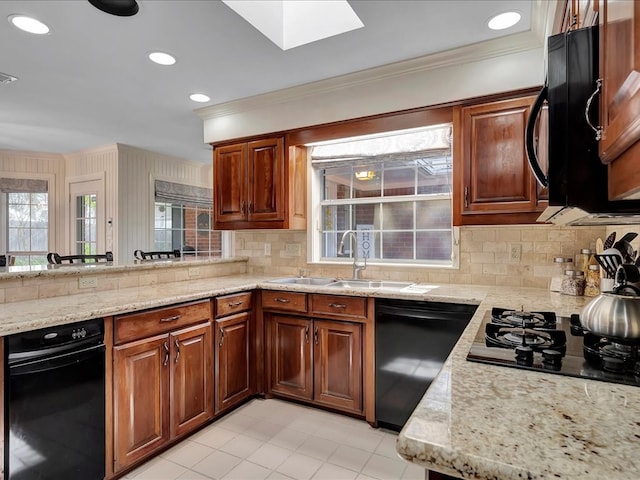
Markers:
199,97
504,20
29,24
162,58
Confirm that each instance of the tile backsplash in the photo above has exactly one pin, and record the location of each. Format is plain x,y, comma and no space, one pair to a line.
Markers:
485,255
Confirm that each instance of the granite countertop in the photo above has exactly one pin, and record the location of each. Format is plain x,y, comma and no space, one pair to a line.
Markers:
476,420
492,422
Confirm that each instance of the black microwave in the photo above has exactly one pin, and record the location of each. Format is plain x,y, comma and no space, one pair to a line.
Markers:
576,179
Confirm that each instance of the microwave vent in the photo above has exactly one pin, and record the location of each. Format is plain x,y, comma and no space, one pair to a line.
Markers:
6,78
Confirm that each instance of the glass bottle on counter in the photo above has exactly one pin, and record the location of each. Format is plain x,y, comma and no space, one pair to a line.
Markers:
561,264
592,282
573,283
584,259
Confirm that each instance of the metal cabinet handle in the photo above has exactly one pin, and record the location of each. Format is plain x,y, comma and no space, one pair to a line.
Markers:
170,319
282,300
249,208
235,304
221,337
315,336
306,334
587,110
178,347
242,207
338,305
466,196
166,354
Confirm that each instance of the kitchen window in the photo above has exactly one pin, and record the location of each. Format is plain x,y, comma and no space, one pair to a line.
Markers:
392,190
26,219
182,220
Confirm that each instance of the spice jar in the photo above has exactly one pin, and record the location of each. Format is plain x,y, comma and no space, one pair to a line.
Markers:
573,283
583,259
592,282
561,264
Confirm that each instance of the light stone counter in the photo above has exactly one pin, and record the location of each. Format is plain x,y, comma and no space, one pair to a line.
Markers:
493,422
476,420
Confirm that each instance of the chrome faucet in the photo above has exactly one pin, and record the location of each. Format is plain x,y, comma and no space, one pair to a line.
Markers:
357,267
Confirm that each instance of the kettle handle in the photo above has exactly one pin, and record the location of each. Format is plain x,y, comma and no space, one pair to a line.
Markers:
542,179
624,273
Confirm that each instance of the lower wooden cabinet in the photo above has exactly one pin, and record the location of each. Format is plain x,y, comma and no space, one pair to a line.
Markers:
233,367
235,337
163,384
316,359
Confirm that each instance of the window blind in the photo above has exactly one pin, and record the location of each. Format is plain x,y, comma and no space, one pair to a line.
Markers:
23,185
181,194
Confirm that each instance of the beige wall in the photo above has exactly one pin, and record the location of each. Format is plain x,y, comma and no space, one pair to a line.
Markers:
484,255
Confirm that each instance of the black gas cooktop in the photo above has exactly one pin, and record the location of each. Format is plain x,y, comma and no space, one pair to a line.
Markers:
544,342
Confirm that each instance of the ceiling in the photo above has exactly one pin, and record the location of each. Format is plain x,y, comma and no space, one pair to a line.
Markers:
89,83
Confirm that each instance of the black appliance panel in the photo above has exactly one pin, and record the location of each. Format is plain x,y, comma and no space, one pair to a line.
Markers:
55,403
413,339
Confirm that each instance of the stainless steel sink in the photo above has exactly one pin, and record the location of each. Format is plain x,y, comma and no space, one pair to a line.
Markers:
378,284
304,280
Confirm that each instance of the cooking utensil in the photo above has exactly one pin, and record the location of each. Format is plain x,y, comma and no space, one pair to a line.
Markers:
617,313
625,248
609,262
599,250
608,243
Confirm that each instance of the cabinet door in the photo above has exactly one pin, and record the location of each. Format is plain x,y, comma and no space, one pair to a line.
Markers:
338,364
620,96
266,180
232,360
230,183
495,170
192,378
620,71
289,356
141,410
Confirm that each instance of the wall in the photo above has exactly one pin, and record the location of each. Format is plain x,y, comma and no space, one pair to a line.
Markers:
484,255
137,171
406,85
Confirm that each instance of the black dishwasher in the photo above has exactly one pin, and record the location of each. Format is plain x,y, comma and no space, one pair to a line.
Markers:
55,403
413,339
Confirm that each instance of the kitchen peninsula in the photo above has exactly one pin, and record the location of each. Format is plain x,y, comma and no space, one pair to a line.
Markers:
476,421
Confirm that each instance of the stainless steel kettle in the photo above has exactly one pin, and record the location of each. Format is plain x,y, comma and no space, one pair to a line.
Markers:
616,313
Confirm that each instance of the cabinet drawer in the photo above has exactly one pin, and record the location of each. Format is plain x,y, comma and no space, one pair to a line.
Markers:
289,301
152,322
237,302
339,306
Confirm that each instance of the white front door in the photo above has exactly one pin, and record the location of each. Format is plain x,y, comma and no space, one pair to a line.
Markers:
87,217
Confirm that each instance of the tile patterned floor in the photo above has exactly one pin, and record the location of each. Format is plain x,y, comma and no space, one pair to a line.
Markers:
277,440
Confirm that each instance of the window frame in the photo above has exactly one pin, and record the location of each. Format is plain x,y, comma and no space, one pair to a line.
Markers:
51,202
315,230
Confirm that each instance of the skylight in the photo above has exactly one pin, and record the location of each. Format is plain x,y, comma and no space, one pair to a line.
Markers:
291,23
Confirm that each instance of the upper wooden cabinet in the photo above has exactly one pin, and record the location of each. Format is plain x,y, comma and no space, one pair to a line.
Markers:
620,95
493,182
259,185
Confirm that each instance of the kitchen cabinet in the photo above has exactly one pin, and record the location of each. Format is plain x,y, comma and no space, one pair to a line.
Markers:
162,378
320,360
259,185
493,182
619,37
233,346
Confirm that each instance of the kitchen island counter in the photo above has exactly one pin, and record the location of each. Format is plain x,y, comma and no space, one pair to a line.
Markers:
494,422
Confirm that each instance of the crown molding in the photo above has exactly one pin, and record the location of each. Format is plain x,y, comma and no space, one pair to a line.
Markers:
543,13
